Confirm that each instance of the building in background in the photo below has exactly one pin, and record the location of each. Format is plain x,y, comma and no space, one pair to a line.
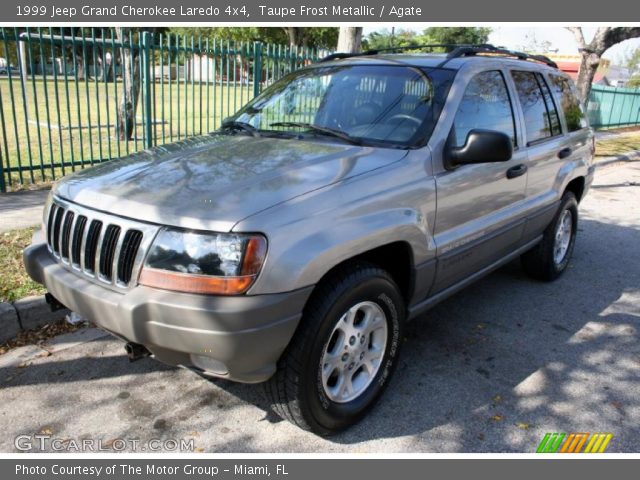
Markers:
607,74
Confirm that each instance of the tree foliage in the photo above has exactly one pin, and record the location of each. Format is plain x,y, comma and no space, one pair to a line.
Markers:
387,39
471,35
433,35
316,37
633,61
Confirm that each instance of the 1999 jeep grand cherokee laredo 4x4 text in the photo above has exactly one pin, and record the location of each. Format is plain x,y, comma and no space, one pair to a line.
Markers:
291,246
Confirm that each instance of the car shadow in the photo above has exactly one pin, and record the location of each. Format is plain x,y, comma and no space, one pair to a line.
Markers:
504,352
471,357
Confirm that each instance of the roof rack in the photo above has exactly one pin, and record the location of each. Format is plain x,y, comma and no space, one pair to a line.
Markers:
471,50
451,46
457,50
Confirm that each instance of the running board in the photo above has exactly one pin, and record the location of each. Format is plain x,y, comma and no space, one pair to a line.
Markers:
429,302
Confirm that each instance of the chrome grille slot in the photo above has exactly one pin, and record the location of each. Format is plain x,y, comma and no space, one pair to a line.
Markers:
91,246
66,233
76,243
102,248
107,251
57,224
130,246
52,216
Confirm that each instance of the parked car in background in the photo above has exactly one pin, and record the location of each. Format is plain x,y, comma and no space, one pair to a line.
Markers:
4,70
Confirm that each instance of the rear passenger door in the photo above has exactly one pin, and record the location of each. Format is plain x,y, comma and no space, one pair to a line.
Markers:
579,135
479,218
548,148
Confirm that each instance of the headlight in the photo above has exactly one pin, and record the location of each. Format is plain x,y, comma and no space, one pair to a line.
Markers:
214,263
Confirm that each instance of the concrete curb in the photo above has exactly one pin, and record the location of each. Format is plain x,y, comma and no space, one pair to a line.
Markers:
26,314
620,159
9,323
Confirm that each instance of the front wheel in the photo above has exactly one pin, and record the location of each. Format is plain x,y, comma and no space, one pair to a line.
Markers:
343,353
550,258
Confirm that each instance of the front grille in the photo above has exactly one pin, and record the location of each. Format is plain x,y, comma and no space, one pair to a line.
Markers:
76,244
66,234
127,255
91,245
57,222
108,251
105,248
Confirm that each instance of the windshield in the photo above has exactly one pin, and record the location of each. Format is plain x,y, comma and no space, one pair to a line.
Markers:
361,104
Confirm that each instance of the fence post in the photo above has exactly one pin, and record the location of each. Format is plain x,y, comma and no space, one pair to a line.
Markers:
613,104
146,88
3,187
257,67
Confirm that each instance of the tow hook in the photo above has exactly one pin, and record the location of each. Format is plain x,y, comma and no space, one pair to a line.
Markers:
53,302
135,351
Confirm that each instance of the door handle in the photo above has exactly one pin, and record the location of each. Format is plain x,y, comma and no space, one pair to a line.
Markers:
565,152
517,171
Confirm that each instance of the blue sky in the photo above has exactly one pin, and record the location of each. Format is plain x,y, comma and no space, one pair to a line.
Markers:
515,37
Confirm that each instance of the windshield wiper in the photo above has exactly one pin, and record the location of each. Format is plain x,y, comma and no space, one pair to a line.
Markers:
321,130
244,126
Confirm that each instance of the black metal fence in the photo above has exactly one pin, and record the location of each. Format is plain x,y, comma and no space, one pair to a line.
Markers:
63,98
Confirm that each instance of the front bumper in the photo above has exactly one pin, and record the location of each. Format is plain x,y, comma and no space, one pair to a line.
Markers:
239,338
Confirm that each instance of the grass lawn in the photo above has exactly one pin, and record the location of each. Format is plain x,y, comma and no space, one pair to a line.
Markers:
16,284
14,281
619,145
82,116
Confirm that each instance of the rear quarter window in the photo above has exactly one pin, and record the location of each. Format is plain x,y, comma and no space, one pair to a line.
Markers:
571,107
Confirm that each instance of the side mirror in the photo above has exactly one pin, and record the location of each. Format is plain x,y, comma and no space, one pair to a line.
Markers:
481,146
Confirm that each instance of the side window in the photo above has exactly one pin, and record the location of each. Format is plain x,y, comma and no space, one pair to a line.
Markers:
540,116
554,119
571,107
485,105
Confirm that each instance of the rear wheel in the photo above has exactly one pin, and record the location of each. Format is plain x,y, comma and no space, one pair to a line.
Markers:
343,352
550,258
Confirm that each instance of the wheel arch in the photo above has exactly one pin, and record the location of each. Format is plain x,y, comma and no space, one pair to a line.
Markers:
396,258
576,186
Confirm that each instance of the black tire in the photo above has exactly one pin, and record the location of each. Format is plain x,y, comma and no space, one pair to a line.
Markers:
296,391
539,262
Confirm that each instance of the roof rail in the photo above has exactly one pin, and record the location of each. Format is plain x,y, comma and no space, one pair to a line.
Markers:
452,46
470,50
457,50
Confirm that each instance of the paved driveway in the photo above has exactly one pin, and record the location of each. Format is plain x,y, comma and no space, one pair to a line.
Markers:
490,370
21,209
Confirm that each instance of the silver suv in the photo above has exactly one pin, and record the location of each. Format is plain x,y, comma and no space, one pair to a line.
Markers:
292,245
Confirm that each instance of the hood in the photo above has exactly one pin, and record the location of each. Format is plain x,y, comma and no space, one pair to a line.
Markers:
212,182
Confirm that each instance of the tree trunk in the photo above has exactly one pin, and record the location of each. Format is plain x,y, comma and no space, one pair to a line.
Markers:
79,66
350,39
297,36
130,88
588,68
591,53
110,74
79,55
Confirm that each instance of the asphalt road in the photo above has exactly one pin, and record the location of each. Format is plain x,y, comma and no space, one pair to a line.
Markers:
21,209
490,370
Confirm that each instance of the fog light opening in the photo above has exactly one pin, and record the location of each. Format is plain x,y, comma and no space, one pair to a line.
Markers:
209,365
